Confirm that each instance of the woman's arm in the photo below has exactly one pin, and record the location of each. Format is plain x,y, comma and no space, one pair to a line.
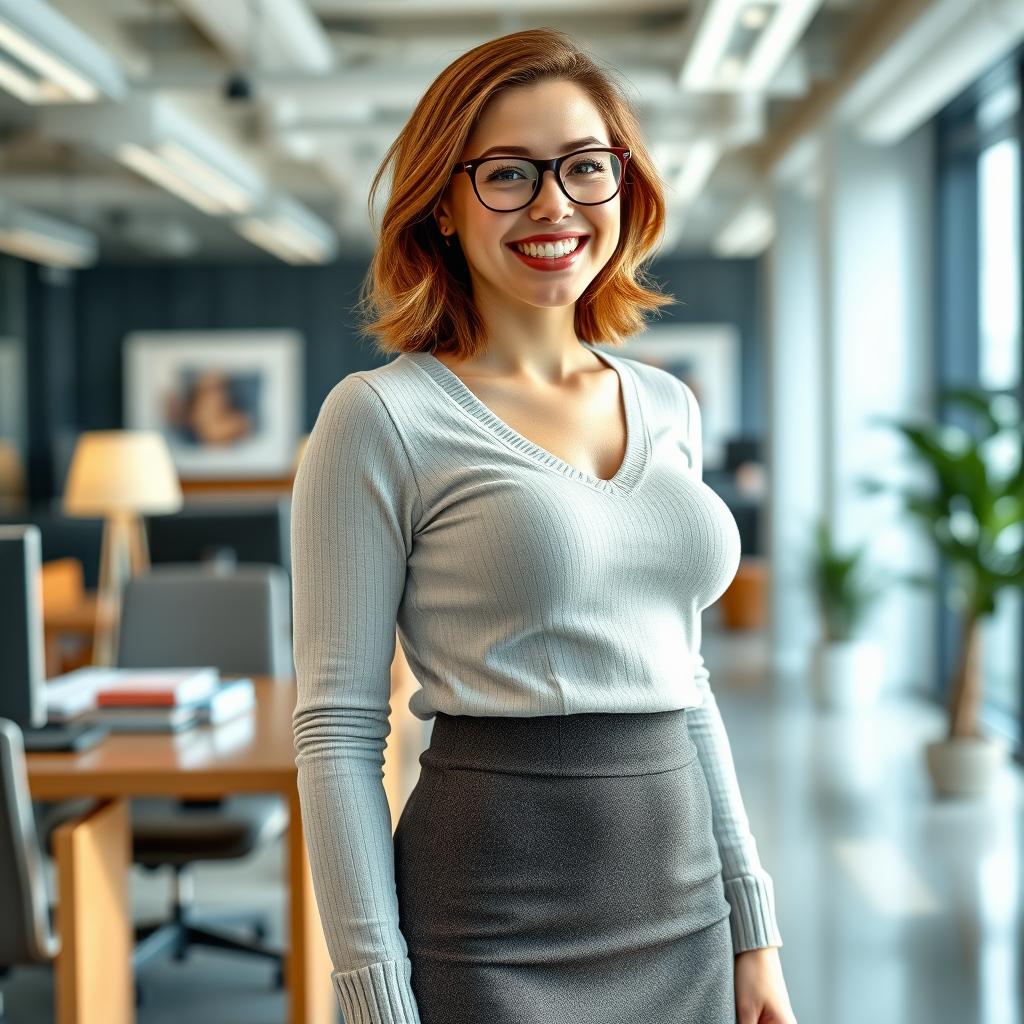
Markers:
748,887
354,503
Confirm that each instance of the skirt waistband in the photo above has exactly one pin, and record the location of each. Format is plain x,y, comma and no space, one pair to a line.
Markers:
577,746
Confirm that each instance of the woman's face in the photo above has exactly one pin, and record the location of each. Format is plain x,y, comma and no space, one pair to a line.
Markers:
545,119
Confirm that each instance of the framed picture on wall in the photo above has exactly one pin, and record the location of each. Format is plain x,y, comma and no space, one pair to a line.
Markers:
706,358
229,403
13,427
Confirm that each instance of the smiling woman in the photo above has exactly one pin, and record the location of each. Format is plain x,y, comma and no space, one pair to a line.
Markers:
527,512
460,188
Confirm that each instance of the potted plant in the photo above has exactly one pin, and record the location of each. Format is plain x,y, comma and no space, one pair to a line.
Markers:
974,514
846,669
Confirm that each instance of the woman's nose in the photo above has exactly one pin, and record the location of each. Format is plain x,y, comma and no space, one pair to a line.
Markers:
550,199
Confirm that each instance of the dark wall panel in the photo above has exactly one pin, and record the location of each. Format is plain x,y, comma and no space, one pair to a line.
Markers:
722,291
319,302
115,300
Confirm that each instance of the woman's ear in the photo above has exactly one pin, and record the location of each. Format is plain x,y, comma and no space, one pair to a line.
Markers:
443,218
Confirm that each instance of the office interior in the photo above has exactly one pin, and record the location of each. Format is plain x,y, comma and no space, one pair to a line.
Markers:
183,216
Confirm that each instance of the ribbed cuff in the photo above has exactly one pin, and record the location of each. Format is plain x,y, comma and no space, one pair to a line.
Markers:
752,912
378,994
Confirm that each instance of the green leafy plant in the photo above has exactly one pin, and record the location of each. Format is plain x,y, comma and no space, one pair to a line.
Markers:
973,511
843,592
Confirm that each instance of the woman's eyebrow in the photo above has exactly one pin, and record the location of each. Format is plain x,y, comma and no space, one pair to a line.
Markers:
568,147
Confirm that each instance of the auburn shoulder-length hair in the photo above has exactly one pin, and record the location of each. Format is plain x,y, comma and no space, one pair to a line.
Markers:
417,294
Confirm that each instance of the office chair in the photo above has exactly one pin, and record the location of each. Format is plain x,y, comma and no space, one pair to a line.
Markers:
26,926
239,620
28,936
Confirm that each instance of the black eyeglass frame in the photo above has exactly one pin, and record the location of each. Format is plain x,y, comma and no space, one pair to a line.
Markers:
554,165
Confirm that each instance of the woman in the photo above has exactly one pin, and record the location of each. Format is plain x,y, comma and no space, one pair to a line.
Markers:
529,511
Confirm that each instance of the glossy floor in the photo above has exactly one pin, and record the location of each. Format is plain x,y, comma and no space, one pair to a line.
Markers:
894,907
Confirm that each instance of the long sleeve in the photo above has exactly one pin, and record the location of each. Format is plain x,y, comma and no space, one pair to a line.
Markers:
748,887
353,507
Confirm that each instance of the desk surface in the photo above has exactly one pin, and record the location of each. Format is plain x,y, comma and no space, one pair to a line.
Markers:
252,753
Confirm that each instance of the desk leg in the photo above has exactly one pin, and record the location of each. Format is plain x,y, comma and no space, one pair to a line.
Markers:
94,977
311,997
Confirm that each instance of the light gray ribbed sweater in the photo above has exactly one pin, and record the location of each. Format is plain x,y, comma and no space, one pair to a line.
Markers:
520,586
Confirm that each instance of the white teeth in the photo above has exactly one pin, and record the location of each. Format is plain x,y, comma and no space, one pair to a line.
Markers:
549,250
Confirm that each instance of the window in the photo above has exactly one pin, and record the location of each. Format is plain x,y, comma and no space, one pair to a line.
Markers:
979,276
999,365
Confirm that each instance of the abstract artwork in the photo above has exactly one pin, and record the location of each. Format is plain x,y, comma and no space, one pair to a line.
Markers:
229,403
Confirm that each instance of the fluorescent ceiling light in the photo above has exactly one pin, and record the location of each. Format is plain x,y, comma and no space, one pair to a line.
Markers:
709,44
41,239
46,58
290,231
748,233
741,44
777,39
161,142
700,161
687,167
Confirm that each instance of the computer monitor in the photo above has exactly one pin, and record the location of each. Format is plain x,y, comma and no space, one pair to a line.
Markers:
237,532
22,654
22,650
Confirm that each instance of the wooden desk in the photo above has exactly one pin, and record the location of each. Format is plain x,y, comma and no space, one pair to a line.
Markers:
252,754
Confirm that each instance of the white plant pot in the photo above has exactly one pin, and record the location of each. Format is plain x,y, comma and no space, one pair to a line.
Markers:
966,765
847,674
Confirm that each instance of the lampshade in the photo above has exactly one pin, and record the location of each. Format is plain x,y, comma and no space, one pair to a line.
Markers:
121,471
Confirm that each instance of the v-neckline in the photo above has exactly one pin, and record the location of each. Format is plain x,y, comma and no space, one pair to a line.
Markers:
637,439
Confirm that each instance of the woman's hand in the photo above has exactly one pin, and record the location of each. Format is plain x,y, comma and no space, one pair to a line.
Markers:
761,996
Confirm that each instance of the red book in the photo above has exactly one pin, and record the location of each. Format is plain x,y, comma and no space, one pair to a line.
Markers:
157,687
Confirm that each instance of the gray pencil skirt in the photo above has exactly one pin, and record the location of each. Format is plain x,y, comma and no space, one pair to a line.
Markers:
562,870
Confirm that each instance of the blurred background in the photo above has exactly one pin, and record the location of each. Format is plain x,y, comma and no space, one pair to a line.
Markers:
183,234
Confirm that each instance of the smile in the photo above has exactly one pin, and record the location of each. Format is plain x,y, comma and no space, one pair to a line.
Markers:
550,255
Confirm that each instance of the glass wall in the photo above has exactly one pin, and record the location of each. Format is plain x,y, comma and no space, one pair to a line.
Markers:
979,303
999,361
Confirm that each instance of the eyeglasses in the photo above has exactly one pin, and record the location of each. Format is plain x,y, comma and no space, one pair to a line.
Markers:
586,176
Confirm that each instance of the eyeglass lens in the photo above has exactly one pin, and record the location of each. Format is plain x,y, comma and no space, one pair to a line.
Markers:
506,183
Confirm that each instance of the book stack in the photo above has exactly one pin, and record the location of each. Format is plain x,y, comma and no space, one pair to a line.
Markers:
168,700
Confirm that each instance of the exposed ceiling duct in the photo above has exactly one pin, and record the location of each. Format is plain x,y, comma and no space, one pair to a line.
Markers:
947,48
272,34
156,139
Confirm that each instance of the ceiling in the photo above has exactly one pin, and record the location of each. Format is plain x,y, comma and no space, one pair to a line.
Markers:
333,81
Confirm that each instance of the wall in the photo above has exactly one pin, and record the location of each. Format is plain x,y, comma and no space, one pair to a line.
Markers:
79,321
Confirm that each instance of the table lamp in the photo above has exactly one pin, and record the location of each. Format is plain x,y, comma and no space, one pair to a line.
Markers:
120,475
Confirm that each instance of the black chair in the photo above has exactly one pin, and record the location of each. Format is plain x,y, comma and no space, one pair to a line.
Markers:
238,620
28,936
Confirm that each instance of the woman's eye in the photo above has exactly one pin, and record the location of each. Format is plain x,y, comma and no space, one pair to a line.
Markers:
494,175
588,163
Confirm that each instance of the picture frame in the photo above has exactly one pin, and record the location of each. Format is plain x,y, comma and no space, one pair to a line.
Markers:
705,357
12,392
228,402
